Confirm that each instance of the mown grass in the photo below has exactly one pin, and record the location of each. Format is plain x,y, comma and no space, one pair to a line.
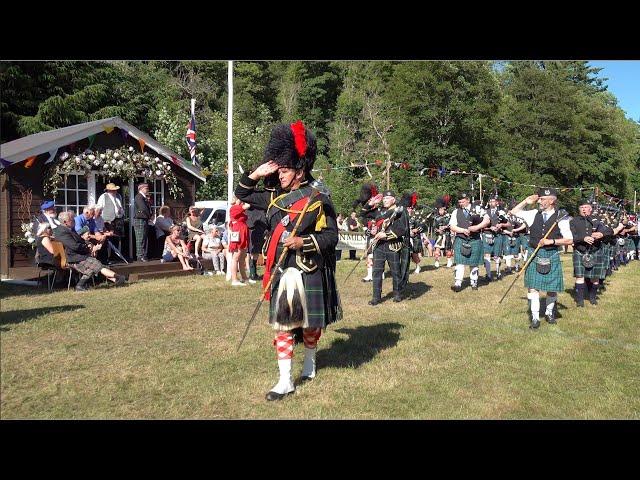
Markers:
167,349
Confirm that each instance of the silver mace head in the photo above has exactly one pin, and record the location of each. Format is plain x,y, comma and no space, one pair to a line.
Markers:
321,187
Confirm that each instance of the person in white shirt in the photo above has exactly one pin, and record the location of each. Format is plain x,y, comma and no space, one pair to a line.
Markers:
544,272
467,246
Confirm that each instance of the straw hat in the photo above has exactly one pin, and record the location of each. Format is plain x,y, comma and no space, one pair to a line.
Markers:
111,186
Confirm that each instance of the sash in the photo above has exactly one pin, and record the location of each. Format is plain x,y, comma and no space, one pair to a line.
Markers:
275,240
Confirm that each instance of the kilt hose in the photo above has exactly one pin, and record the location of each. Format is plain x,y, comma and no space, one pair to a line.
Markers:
474,259
140,227
594,273
383,254
550,282
496,248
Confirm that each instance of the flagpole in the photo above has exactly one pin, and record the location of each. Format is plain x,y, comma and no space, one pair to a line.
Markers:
229,153
230,137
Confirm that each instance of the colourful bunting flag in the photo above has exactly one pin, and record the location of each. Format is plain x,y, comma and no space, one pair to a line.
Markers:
30,161
142,144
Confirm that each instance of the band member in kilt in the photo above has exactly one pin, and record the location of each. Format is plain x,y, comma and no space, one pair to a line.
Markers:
467,246
588,254
413,241
443,233
367,203
303,295
544,273
493,239
390,242
512,242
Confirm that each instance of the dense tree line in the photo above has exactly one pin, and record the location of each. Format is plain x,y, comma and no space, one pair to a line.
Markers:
533,122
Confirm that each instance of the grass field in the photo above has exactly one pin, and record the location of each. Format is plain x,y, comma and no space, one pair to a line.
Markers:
167,349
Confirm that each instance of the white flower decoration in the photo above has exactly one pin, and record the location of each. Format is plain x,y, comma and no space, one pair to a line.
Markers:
102,156
92,157
119,162
158,172
116,155
131,149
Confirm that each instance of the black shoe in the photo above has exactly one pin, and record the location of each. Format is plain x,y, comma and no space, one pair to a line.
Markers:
533,325
142,259
474,287
271,396
580,304
488,278
456,288
594,302
306,379
364,280
81,288
499,276
397,298
374,302
552,319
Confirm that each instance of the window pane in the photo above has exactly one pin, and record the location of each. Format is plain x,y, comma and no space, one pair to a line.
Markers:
83,198
82,182
71,182
59,197
71,197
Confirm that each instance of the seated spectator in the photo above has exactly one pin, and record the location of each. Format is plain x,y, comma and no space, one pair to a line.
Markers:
212,249
85,219
80,255
194,226
163,225
175,248
44,248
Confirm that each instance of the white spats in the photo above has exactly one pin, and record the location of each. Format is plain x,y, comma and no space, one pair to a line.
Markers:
473,276
309,366
551,302
369,276
285,383
534,297
291,303
459,274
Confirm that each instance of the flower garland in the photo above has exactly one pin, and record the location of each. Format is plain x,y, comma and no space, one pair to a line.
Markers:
26,239
119,163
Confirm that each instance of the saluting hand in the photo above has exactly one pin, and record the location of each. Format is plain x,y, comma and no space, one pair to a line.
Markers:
265,169
531,199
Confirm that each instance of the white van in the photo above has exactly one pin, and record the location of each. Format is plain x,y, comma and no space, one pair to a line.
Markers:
212,212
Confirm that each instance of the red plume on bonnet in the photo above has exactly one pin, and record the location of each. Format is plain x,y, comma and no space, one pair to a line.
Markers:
299,137
374,190
414,199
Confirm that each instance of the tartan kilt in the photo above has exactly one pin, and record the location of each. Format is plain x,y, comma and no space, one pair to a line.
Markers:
508,249
474,259
524,241
321,311
89,266
597,271
416,244
630,245
496,249
552,281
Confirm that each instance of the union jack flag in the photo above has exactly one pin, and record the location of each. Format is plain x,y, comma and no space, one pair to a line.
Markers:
191,139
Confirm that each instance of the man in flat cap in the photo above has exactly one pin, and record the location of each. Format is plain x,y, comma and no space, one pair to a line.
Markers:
467,246
544,273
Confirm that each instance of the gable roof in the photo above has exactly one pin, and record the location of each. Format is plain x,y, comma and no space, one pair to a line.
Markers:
19,150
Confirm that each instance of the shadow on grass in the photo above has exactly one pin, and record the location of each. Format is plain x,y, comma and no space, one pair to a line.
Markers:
362,345
13,317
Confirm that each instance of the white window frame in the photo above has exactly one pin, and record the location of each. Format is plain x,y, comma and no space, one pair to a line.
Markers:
77,207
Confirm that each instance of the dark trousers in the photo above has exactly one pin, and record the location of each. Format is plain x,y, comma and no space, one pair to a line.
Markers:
381,255
141,228
338,254
352,255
